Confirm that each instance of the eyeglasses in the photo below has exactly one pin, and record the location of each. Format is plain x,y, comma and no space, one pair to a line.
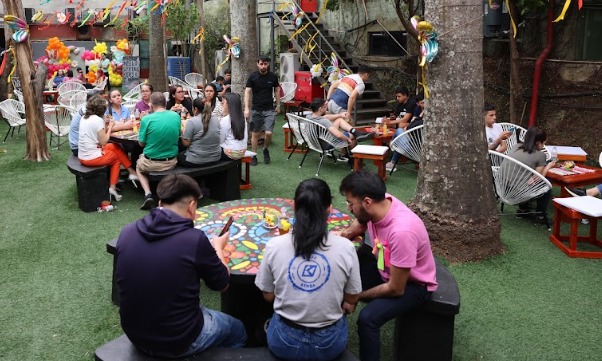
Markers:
180,91
350,204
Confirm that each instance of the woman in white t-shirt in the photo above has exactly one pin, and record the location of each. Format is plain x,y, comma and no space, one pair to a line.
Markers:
233,128
93,147
313,278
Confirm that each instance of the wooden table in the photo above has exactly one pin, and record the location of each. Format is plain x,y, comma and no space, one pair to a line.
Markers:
573,217
575,154
129,141
593,176
380,138
244,252
50,96
377,153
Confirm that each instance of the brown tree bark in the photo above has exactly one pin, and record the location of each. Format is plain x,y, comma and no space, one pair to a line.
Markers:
199,4
243,16
454,195
37,150
516,88
158,69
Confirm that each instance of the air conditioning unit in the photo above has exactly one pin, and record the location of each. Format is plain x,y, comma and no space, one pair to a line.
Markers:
84,33
29,12
220,55
289,64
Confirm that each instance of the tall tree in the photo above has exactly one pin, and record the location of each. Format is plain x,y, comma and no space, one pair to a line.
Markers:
158,73
37,149
455,195
243,17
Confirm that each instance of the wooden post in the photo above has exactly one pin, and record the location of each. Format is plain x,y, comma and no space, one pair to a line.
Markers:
37,149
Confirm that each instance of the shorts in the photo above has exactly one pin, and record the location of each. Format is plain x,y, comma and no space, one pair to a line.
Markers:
263,120
334,108
146,165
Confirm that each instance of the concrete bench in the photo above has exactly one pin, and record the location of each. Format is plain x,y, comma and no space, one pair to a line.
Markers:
222,178
92,184
427,333
121,349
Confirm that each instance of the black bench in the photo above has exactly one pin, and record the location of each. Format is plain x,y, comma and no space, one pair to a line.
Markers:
121,349
92,184
112,249
223,180
427,333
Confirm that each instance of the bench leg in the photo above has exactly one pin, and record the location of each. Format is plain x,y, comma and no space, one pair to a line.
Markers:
91,191
422,335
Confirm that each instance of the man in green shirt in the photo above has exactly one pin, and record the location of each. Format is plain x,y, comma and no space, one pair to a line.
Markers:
159,134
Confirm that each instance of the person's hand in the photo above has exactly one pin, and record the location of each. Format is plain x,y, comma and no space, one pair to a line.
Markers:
220,242
277,109
227,86
247,113
505,135
348,308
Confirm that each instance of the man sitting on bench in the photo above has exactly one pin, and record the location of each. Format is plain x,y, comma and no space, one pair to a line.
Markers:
160,261
402,276
159,135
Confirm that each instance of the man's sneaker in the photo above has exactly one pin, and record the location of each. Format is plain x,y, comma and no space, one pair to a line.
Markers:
254,160
576,192
343,158
390,166
149,202
328,153
266,156
361,136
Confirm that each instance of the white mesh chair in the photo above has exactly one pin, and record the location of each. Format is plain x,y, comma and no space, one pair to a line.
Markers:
515,182
50,84
19,95
70,86
78,100
101,86
195,93
176,81
16,83
408,144
64,99
321,140
130,105
518,135
194,79
134,93
287,91
600,159
295,124
58,119
13,111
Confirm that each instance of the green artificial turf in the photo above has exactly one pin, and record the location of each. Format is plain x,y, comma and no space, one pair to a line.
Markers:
532,303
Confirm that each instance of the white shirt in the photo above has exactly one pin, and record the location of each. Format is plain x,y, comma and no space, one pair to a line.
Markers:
493,133
87,144
227,139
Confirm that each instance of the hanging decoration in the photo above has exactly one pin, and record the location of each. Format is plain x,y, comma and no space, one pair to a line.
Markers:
334,72
429,47
316,70
18,26
382,252
297,16
121,49
324,4
233,49
37,16
5,60
567,3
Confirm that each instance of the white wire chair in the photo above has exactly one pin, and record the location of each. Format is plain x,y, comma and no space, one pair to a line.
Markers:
177,81
58,119
134,93
78,100
13,111
70,86
600,159
515,182
321,140
195,93
101,86
287,90
295,124
408,144
518,135
64,99
194,79
16,83
19,95
130,105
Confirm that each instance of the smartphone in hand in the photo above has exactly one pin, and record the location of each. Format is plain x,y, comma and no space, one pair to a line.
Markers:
226,227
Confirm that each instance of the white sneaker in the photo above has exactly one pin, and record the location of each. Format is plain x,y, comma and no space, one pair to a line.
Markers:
389,167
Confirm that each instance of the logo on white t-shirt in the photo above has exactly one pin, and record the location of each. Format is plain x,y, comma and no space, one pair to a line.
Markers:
309,275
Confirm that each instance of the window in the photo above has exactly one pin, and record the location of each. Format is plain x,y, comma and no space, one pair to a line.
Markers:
381,43
589,35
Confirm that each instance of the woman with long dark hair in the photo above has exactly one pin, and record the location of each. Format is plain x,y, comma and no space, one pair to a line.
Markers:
178,101
233,128
530,153
313,278
200,137
210,93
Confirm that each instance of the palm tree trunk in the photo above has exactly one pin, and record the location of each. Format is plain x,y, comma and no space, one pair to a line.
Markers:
243,15
158,68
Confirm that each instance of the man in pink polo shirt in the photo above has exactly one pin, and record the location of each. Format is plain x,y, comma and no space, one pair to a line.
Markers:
401,275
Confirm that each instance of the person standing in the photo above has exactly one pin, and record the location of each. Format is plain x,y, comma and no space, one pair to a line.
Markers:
159,134
402,275
264,86
160,261
342,94
313,278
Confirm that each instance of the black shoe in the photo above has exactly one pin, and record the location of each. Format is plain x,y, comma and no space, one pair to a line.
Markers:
343,158
266,156
254,160
580,192
361,136
148,203
542,220
524,214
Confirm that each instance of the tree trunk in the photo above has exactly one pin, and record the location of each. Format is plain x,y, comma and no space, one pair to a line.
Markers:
199,4
158,72
37,149
454,195
243,16
4,86
516,88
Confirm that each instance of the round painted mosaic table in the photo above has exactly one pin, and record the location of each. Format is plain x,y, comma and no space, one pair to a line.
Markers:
248,236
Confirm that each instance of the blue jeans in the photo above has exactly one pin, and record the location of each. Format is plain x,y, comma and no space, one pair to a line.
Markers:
219,330
395,156
291,343
380,310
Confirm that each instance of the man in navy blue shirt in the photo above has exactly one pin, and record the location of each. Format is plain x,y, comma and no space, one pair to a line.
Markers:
161,259
263,84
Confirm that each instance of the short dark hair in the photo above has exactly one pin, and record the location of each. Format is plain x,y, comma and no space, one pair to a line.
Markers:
158,99
149,85
70,73
402,90
362,184
316,104
488,107
177,187
533,135
91,93
263,58
96,105
219,77
364,69
228,71
419,97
